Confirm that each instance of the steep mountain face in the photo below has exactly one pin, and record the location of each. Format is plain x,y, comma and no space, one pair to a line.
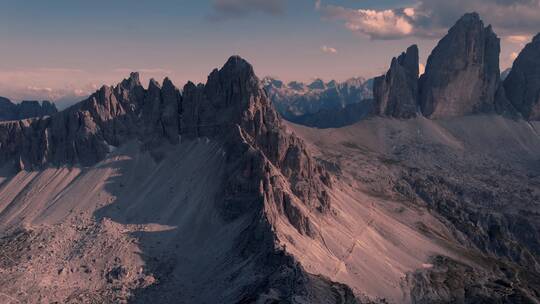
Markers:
263,180
462,73
396,93
25,109
297,99
522,85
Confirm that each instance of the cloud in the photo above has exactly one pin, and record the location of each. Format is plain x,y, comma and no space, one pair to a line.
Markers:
421,68
432,18
328,50
513,56
229,9
518,39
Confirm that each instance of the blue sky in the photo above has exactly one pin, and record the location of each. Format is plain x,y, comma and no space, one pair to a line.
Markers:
59,48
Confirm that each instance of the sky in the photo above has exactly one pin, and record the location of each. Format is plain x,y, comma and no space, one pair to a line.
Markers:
63,50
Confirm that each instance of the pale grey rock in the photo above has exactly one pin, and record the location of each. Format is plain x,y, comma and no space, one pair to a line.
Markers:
462,73
522,85
396,93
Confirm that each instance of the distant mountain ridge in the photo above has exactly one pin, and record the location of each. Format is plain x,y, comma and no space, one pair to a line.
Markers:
25,109
295,99
462,78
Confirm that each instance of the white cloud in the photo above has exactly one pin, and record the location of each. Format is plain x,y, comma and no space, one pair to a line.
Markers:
328,50
383,24
516,19
421,68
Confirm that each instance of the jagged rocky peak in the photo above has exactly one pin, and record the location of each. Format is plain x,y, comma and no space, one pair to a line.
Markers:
231,107
462,73
317,84
396,92
25,109
522,86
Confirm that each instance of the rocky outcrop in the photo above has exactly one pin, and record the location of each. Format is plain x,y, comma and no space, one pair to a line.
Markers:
25,109
396,93
462,73
84,132
232,107
522,85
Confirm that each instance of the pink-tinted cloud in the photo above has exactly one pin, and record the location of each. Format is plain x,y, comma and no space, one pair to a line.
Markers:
328,50
431,18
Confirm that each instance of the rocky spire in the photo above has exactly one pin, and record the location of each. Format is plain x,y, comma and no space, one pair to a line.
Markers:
233,107
462,73
396,93
522,85
267,164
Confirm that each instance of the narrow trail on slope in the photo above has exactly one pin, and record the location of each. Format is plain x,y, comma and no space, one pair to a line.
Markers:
342,262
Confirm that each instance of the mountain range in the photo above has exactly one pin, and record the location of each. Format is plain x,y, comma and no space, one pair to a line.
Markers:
156,194
296,101
25,109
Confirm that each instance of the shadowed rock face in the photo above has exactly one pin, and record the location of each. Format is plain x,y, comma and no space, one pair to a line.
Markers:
25,109
462,73
232,107
522,85
396,93
269,179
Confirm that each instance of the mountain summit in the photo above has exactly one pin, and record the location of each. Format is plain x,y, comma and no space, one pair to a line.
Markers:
462,73
522,85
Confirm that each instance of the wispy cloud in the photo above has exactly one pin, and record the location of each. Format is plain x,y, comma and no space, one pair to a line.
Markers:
328,50
431,18
230,9
518,39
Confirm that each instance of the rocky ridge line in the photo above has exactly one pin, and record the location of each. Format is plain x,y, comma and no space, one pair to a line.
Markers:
396,93
25,109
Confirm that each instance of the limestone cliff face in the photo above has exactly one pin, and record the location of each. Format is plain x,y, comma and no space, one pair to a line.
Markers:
462,73
267,164
522,86
84,133
396,93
